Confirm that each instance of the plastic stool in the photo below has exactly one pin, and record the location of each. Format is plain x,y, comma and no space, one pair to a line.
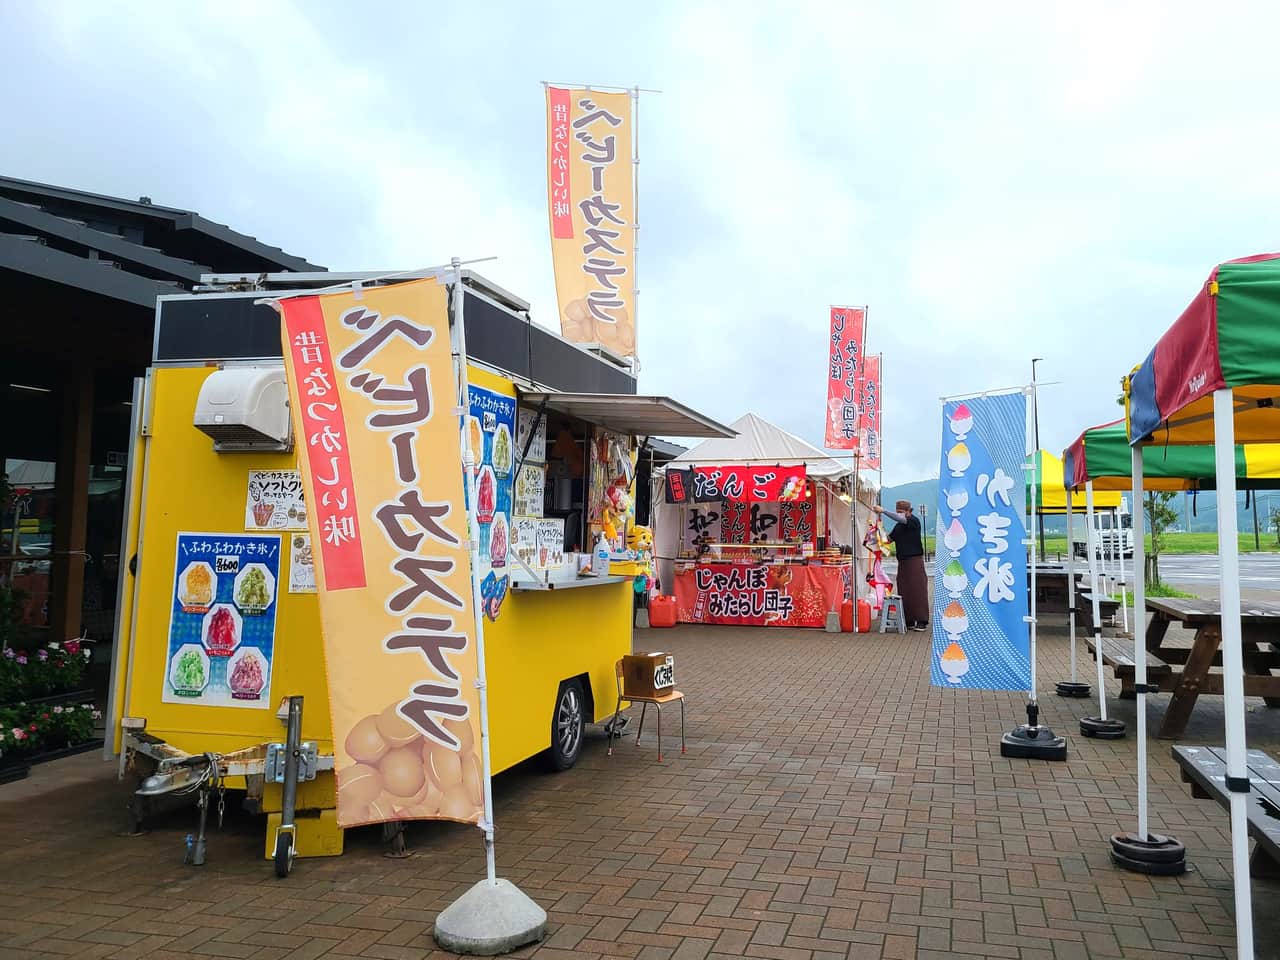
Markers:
891,614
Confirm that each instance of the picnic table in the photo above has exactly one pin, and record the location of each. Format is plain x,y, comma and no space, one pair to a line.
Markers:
1205,768
1051,589
1188,676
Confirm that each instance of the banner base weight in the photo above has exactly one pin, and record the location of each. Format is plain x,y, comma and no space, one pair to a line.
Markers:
1033,743
1109,729
1157,855
489,919
1068,688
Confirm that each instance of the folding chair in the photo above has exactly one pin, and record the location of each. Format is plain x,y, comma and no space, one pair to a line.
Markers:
644,706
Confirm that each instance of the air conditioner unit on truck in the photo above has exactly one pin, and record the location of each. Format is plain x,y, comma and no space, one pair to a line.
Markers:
1113,532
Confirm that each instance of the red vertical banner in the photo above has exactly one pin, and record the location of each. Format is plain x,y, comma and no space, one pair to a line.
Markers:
558,187
844,369
869,419
324,444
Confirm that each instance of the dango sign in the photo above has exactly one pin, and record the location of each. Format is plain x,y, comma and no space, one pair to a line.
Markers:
980,639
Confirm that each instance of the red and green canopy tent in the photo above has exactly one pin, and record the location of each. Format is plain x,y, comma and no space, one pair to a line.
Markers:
1214,378
1228,338
1102,454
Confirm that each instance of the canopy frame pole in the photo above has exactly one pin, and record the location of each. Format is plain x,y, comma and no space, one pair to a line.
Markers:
1233,663
1143,852
1071,584
1093,595
1139,644
1124,586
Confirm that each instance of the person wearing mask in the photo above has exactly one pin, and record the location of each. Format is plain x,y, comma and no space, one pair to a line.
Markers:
913,585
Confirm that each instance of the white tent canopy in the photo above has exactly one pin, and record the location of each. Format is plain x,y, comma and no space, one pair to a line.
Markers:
759,441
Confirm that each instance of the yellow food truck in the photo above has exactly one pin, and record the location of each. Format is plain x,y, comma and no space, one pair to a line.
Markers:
218,644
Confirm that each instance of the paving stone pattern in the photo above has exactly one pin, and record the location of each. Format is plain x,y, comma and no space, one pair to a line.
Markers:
831,805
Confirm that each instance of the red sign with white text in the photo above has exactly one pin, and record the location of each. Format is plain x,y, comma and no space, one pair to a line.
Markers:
844,370
748,484
869,421
325,445
558,164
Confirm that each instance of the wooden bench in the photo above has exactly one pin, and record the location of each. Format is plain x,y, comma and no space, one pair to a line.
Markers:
1117,653
1205,768
1107,608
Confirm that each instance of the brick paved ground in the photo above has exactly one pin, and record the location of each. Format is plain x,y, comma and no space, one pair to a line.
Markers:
831,805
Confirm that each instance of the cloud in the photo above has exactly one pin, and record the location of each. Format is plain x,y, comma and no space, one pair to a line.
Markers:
997,183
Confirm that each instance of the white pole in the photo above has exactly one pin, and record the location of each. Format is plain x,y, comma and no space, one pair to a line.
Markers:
1031,523
635,230
853,536
1224,449
1124,587
1093,592
1139,634
1071,583
473,537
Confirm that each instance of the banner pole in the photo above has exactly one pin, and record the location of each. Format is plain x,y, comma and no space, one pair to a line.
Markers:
1072,687
635,230
473,540
853,536
494,916
1032,740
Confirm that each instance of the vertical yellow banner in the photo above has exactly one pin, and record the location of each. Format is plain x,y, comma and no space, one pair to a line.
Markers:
372,393
591,203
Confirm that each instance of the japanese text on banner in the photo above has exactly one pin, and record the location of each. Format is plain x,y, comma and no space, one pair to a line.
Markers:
591,204
844,370
380,460
980,638
869,416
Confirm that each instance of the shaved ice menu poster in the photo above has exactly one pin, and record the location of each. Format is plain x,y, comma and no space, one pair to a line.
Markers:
222,625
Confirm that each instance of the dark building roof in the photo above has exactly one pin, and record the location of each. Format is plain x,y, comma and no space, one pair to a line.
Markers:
128,251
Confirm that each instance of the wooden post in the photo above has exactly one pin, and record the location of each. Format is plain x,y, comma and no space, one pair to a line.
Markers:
71,504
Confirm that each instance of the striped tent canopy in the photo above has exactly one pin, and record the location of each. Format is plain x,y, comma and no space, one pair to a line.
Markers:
1101,454
1051,490
1228,337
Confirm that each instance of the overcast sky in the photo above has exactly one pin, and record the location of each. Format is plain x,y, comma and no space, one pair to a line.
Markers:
996,181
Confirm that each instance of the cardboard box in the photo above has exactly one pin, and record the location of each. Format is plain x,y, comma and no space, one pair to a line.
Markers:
648,675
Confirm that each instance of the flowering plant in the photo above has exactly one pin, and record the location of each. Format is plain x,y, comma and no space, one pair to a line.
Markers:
30,728
55,668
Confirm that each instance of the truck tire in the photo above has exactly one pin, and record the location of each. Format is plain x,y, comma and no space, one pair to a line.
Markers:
567,726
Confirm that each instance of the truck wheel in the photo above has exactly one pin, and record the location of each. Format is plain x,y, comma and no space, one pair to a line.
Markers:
567,726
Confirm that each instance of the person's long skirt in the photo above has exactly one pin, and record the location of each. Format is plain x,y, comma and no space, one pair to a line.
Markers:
913,587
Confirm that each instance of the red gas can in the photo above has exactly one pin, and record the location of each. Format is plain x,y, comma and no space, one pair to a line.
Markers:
864,616
662,611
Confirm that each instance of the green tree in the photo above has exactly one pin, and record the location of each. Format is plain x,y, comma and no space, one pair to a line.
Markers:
1161,518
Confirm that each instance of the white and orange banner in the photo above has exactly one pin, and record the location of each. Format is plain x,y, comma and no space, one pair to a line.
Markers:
869,414
372,387
591,202
844,371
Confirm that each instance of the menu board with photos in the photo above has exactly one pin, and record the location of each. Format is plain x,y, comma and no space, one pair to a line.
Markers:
538,542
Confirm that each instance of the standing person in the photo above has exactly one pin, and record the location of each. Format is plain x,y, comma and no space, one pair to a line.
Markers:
913,585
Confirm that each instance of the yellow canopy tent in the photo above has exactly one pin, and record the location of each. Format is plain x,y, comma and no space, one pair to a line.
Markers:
1051,493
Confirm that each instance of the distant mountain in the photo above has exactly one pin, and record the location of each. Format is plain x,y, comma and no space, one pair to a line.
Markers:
1197,513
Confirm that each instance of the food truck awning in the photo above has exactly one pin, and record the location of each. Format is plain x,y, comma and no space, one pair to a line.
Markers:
628,413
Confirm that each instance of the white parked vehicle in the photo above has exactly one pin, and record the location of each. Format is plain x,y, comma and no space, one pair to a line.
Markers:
1113,533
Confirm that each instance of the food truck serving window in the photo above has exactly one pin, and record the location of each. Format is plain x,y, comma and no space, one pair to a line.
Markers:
571,448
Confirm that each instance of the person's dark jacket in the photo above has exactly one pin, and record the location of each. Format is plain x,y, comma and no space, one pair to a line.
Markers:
905,536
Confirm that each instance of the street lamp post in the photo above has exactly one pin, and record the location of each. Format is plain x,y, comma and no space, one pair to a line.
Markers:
1037,461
